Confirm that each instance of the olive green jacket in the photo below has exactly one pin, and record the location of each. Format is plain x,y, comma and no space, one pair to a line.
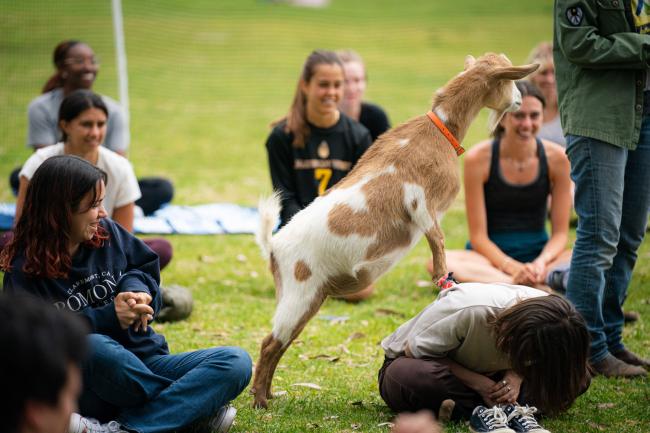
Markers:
600,67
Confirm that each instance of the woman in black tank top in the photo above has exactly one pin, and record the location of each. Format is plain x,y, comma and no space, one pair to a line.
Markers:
507,182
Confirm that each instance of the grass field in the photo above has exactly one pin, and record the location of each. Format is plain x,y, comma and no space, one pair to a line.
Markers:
206,79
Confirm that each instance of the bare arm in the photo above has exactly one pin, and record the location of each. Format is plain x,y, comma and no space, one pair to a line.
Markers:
124,216
559,168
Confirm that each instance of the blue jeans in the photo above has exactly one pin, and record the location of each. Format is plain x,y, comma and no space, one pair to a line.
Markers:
163,392
612,197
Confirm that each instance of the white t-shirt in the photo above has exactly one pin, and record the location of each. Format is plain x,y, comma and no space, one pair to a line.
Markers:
121,185
455,326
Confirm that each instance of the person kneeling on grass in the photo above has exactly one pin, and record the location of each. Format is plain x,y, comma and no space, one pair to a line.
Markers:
67,252
495,345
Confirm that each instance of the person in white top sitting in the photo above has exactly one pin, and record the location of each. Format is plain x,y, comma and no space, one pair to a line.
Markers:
83,118
487,344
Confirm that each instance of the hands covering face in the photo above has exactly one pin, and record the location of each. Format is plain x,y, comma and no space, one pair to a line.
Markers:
507,389
132,309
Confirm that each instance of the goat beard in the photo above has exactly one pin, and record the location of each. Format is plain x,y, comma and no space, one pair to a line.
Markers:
494,118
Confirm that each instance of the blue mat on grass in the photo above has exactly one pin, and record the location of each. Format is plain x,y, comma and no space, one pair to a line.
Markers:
207,219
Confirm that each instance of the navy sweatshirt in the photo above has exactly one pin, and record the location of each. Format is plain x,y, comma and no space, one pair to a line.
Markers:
123,264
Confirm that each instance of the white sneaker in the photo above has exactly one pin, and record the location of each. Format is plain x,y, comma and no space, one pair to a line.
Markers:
223,419
80,424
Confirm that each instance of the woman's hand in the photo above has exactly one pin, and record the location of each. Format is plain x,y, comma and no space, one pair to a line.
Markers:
132,308
507,389
538,267
522,273
141,298
484,386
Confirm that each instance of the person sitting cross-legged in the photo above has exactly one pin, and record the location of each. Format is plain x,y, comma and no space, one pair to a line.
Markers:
67,251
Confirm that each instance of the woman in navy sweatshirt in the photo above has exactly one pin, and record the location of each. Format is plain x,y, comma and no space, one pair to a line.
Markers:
66,251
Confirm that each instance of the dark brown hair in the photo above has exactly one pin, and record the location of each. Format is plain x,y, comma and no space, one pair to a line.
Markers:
76,103
297,117
58,57
42,232
547,343
526,88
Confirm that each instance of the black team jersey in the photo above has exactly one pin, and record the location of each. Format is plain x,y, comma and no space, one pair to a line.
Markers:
303,174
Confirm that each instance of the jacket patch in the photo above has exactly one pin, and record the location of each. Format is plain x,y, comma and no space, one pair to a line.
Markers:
575,15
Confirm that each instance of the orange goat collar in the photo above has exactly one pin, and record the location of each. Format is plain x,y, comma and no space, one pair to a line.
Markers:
447,133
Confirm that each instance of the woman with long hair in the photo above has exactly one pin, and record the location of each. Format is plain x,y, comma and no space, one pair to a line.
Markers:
315,145
508,181
65,250
482,345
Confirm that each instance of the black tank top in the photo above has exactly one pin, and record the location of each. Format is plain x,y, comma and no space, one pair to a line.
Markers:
513,208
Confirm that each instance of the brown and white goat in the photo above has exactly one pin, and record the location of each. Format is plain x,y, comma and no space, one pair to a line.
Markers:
344,240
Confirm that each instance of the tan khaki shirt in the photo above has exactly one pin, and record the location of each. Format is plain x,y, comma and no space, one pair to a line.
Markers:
455,326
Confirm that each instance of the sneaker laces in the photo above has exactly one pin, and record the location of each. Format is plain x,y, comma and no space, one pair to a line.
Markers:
495,417
93,426
526,416
114,427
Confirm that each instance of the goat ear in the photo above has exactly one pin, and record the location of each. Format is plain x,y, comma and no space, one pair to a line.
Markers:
469,62
514,72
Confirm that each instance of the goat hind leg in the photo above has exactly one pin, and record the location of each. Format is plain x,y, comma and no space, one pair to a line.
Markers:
315,306
268,350
291,316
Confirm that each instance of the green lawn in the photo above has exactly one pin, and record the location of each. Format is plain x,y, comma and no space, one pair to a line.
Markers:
206,79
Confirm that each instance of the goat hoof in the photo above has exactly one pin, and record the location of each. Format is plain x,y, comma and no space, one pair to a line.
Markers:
260,403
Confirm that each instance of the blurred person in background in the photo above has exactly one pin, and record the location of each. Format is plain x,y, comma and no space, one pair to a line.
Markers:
544,79
77,67
371,116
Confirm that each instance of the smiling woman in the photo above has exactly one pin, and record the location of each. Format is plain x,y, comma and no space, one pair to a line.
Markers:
66,252
508,181
315,145
84,225
83,118
76,68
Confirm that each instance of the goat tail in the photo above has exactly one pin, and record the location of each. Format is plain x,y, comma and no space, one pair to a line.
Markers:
269,209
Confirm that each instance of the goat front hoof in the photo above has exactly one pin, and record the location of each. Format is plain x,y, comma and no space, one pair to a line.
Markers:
260,403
